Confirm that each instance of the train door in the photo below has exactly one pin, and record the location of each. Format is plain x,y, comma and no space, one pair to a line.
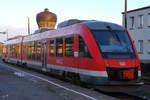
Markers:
44,55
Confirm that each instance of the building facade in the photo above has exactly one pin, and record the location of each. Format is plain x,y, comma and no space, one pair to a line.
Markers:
138,25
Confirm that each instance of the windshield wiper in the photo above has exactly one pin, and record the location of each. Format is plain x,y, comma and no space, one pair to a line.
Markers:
113,33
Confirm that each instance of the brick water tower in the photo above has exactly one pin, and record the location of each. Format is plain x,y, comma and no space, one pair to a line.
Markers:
46,19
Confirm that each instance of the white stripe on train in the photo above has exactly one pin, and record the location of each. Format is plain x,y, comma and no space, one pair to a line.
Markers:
75,70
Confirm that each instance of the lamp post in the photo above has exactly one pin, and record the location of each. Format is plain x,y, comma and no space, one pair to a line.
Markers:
28,25
125,14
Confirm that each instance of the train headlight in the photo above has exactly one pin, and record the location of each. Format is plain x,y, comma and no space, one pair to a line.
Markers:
108,65
135,65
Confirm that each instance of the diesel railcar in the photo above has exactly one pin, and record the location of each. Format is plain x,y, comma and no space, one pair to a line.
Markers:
94,52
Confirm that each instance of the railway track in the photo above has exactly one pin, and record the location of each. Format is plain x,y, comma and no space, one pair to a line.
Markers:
136,93
122,96
117,92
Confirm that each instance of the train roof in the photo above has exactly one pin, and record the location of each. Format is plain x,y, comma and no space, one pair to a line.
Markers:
100,25
91,24
68,30
14,41
69,22
35,37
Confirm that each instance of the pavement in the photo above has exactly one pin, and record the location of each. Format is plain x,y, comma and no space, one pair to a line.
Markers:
28,85
15,87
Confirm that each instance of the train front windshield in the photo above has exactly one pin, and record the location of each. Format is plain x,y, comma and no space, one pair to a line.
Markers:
114,44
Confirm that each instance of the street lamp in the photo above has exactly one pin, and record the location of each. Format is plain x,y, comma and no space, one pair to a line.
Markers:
28,25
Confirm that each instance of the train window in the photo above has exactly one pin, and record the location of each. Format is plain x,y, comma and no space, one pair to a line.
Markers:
51,47
16,50
38,50
33,51
11,50
24,49
69,46
5,49
83,50
29,50
59,47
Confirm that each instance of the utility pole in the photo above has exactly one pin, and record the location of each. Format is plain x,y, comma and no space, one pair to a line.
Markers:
125,17
7,34
28,25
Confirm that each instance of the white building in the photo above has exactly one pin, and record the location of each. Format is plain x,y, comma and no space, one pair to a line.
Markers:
138,25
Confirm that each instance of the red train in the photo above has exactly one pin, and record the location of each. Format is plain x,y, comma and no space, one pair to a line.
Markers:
94,52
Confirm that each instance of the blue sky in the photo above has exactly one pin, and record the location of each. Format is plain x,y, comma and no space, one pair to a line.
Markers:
13,13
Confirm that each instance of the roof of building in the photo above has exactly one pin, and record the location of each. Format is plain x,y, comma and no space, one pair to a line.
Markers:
143,8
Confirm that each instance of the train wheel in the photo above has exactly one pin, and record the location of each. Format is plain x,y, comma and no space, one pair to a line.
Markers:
18,63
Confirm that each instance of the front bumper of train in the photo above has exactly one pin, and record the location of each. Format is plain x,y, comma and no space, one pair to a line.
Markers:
104,81
115,76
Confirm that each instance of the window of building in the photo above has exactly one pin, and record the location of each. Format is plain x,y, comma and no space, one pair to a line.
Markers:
140,21
69,46
140,46
59,47
51,48
132,22
148,20
83,50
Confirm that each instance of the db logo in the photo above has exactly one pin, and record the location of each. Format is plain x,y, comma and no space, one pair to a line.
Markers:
122,63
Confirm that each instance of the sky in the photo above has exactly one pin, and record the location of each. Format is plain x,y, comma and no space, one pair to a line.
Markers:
13,13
